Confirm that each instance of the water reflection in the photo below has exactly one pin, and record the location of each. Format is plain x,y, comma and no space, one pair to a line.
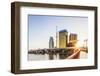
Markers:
49,54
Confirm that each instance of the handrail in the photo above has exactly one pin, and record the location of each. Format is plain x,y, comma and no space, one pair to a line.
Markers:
75,55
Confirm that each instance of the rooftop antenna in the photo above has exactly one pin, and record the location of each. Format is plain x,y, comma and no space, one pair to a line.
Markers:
56,36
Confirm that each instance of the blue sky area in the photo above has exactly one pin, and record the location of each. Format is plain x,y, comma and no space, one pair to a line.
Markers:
42,27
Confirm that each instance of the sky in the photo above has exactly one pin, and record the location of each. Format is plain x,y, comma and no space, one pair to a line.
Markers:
41,27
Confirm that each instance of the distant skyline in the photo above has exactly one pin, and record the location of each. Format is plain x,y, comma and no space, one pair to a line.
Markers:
41,28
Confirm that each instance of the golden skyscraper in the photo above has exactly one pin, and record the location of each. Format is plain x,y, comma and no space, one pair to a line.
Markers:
73,39
63,38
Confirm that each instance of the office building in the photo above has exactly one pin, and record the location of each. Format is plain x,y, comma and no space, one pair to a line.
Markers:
73,39
51,42
63,38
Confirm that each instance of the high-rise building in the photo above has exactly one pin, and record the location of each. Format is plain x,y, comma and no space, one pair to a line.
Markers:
51,42
73,39
63,38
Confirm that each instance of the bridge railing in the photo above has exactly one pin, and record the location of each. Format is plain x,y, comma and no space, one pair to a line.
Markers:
75,55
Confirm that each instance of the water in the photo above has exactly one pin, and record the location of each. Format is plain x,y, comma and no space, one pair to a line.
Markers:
45,57
36,57
83,55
